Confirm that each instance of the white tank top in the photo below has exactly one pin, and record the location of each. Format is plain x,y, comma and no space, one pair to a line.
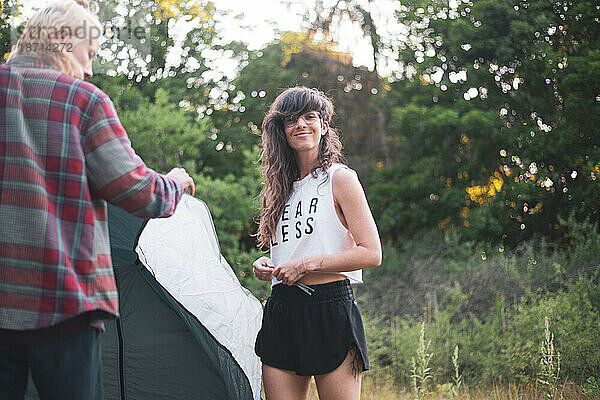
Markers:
309,224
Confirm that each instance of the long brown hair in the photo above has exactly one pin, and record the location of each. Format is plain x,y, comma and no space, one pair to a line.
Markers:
278,160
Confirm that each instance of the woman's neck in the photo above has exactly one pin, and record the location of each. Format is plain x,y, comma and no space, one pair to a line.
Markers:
306,163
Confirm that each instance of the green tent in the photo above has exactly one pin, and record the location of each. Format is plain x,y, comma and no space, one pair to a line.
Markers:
187,326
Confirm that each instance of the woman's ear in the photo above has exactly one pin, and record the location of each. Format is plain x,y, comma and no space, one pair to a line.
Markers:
64,33
325,128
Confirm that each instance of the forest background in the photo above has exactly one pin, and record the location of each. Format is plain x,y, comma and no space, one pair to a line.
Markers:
475,134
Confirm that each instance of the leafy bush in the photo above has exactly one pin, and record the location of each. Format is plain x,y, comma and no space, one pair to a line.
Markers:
591,388
490,303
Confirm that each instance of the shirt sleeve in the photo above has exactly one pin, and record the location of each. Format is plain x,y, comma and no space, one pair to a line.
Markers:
117,174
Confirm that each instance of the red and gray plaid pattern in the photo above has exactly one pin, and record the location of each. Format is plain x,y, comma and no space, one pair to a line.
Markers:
63,155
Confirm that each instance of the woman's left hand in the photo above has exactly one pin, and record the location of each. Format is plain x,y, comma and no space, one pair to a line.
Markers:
292,271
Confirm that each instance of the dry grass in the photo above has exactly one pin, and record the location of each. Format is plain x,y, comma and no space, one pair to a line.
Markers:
369,391
548,386
510,392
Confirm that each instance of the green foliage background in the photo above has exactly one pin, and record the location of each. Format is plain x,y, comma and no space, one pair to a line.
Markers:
480,155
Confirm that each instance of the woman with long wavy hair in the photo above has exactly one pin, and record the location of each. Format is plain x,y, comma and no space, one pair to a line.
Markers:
318,226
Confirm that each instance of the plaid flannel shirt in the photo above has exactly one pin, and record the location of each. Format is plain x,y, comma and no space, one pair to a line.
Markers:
63,155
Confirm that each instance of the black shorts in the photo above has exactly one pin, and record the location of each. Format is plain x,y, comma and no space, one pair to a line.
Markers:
311,335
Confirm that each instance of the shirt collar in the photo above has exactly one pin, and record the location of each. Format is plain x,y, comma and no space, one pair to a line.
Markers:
27,61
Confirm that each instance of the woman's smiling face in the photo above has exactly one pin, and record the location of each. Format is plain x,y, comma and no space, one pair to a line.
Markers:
304,132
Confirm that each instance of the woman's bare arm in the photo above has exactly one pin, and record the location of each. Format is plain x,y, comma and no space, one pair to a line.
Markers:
349,196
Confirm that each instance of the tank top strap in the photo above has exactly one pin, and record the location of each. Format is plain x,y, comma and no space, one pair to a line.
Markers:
333,169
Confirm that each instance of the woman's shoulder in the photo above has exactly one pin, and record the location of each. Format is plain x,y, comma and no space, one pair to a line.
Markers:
341,170
343,178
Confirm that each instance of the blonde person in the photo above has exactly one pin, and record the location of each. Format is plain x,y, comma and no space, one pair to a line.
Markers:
316,221
63,155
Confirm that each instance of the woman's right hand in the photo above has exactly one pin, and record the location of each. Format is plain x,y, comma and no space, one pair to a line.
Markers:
263,268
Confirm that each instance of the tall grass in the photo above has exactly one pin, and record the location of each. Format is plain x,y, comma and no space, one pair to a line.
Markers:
484,327
484,318
377,389
420,371
493,309
549,376
548,387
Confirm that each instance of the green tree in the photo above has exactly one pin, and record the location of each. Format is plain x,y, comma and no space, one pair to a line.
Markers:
142,41
523,77
8,9
170,45
167,136
294,59
326,20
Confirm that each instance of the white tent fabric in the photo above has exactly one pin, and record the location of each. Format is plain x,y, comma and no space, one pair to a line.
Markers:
183,254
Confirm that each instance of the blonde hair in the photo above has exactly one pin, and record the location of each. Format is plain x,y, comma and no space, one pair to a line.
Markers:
41,36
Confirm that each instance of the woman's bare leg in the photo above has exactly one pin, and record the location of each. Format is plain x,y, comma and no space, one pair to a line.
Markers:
343,383
284,385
